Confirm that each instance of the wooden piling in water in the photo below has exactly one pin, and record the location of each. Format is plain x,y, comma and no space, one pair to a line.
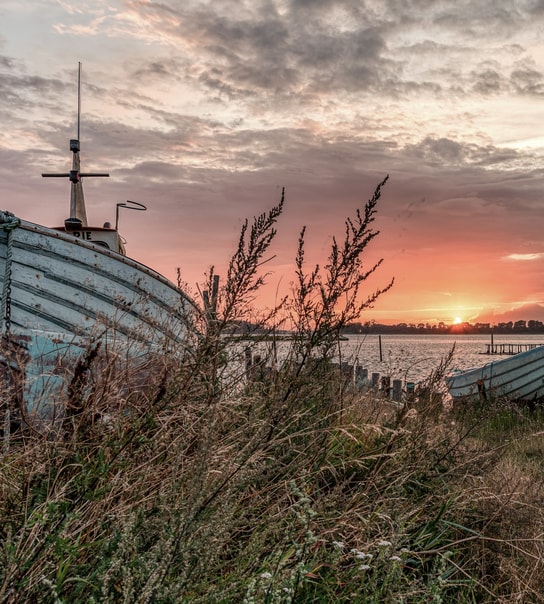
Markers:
397,390
361,377
248,358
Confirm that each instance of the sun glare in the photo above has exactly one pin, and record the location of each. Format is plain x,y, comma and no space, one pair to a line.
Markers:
457,320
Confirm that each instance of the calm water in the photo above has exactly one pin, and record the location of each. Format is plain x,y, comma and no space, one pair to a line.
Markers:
410,358
413,357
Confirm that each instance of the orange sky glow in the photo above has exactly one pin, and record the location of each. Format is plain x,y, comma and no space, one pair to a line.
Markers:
205,110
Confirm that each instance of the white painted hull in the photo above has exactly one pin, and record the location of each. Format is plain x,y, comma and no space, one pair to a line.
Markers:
62,284
65,293
519,377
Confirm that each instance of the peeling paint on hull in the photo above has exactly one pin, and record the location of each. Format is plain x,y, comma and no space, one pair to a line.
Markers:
65,293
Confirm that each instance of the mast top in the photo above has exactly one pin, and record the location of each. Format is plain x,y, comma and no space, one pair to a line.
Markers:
78,213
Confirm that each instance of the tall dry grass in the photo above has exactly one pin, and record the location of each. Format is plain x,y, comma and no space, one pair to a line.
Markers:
178,479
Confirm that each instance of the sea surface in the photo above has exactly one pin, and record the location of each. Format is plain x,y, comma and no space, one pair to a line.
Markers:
410,358
413,357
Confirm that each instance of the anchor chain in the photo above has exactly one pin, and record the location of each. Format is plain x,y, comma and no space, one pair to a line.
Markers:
8,222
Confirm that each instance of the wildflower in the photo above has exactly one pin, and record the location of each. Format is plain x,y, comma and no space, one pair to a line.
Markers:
364,567
266,576
363,556
384,543
338,544
395,559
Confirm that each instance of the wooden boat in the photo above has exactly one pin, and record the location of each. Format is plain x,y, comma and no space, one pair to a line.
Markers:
518,377
64,287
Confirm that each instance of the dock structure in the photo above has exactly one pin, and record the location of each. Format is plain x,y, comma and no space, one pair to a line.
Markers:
509,348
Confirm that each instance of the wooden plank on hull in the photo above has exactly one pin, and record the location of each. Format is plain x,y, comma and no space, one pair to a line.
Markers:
107,288
520,376
116,273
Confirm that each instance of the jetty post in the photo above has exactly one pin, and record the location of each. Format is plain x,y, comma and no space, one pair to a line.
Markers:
397,391
386,385
361,377
210,303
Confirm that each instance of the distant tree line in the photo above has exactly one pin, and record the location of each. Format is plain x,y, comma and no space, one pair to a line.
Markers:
511,327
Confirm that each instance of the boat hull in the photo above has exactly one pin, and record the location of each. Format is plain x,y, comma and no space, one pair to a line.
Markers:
60,294
519,377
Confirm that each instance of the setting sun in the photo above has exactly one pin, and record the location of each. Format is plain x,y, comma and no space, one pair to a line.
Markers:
457,320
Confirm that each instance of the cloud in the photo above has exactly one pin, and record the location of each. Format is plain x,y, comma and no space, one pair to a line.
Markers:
527,80
525,257
445,151
206,110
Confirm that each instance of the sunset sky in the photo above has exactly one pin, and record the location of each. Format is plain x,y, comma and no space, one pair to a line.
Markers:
204,110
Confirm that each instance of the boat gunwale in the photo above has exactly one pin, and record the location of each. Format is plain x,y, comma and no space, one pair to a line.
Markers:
120,280
501,363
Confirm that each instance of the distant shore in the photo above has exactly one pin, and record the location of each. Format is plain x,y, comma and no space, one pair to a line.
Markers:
530,327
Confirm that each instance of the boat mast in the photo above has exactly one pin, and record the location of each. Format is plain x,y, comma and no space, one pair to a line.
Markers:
78,214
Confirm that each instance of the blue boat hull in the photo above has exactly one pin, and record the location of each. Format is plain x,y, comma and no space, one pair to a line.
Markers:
519,377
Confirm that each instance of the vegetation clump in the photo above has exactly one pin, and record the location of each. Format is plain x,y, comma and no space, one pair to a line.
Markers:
226,478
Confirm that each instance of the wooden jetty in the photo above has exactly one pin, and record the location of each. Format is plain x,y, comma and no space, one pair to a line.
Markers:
258,369
509,348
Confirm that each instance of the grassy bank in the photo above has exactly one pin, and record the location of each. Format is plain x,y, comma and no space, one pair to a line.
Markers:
202,485
295,490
